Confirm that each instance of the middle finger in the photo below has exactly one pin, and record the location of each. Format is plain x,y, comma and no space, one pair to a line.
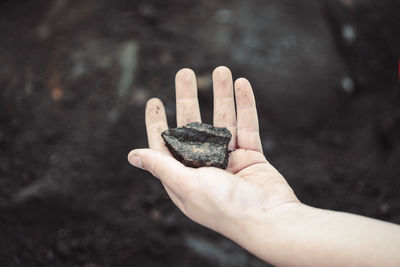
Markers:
187,104
224,103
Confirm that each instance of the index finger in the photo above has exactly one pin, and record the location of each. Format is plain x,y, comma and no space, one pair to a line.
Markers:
156,122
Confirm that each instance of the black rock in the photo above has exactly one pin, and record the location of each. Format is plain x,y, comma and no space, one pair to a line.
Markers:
199,145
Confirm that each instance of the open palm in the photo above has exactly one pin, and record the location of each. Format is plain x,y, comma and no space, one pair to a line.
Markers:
211,196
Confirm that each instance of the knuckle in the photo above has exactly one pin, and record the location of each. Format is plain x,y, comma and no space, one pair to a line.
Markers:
153,166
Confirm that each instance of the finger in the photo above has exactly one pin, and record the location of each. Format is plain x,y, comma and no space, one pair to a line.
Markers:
224,103
187,104
247,120
171,172
156,122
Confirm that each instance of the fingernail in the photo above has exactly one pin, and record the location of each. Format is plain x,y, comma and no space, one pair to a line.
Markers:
136,160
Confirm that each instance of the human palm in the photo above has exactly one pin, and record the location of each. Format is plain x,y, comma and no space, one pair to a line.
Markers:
213,197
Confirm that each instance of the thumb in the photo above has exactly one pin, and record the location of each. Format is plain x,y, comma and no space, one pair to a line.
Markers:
170,171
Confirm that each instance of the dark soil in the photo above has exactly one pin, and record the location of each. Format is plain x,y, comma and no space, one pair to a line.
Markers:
74,78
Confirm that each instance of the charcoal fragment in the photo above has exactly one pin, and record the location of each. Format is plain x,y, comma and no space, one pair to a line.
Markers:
199,145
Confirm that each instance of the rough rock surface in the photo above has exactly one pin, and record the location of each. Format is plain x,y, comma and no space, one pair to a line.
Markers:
199,145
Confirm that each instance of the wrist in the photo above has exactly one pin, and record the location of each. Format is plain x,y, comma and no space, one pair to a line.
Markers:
272,222
265,234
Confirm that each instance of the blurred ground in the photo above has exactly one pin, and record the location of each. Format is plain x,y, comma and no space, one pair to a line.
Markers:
74,79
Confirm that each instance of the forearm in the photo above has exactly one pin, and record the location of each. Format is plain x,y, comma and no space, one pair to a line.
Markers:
306,236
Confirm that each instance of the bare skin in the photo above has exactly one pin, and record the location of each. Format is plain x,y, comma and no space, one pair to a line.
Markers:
250,202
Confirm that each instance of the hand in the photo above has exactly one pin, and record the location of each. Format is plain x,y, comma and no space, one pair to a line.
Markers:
219,199
250,202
